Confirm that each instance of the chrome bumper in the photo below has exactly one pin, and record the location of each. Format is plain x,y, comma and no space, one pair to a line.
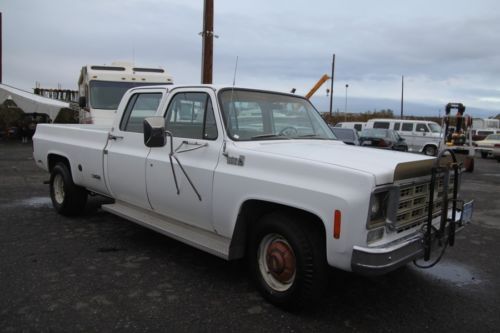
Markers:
388,257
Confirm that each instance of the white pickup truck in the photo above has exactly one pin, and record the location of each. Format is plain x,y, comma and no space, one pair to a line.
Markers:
257,174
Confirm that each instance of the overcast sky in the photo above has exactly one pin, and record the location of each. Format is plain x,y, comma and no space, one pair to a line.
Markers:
447,50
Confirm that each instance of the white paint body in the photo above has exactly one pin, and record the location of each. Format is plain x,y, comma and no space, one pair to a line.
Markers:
317,176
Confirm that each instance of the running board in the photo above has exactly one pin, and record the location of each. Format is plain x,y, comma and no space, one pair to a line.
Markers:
201,239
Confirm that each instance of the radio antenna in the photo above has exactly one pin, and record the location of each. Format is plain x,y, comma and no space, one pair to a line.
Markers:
235,69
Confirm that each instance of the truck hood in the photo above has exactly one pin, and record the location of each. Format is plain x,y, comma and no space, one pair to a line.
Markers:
385,165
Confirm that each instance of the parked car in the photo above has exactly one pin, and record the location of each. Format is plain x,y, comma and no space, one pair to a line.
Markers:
481,134
489,146
382,138
347,135
421,136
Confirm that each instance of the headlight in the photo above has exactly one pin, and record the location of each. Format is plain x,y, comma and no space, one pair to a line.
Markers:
375,209
378,209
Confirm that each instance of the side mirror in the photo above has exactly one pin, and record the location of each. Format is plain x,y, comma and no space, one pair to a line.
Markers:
82,101
154,132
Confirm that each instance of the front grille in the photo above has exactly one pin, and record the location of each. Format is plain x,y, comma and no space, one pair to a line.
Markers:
413,205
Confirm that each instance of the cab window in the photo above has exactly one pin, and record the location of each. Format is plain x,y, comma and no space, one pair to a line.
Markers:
191,115
140,106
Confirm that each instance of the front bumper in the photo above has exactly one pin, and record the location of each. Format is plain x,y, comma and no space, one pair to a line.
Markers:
388,257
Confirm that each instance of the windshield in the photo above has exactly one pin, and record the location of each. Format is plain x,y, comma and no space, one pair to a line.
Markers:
254,115
435,128
107,95
493,137
344,133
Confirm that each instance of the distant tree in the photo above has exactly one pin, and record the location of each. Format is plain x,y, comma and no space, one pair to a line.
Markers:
10,115
66,116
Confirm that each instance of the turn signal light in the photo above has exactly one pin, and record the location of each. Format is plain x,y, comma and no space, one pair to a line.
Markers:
337,219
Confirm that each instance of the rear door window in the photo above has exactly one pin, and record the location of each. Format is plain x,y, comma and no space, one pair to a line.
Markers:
397,126
140,106
407,127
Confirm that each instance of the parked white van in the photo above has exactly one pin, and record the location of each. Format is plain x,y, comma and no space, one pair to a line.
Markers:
421,136
357,125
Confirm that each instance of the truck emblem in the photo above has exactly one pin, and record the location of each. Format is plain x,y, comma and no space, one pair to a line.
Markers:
239,161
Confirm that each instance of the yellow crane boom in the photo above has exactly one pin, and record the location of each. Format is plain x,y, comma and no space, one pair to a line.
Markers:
318,85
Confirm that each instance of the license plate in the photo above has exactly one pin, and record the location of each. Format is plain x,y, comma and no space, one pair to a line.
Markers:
467,212
368,142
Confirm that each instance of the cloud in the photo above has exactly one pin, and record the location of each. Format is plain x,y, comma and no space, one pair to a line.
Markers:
448,51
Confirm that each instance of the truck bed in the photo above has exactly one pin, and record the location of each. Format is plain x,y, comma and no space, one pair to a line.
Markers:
83,147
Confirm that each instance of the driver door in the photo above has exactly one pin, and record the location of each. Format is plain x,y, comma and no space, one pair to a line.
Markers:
197,144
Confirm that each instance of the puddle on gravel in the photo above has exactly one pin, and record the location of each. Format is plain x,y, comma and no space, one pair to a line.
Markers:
30,202
457,274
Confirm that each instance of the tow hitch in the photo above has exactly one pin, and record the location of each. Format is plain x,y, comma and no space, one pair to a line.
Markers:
444,236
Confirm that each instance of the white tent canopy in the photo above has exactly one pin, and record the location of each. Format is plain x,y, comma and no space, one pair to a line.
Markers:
30,103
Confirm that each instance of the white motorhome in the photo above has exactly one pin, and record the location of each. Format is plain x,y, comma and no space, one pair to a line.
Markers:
102,87
421,136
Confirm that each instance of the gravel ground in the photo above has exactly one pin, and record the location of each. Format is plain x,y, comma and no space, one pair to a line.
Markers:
99,272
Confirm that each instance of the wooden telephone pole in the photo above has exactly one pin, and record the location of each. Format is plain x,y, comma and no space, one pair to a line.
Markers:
1,41
208,42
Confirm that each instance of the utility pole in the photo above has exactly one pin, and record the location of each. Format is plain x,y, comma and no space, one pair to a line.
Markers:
402,93
331,85
1,42
208,42
345,106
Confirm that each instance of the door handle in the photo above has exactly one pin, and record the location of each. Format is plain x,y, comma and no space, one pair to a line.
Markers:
114,137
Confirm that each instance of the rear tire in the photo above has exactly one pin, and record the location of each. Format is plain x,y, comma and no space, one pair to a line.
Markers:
67,198
469,164
287,260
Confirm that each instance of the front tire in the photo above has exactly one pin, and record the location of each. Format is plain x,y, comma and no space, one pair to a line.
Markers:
484,154
67,198
287,260
430,150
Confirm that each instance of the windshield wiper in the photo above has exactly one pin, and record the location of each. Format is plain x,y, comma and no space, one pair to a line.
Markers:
269,136
308,136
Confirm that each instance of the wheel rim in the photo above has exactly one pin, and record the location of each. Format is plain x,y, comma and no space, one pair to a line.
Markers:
430,151
58,185
277,262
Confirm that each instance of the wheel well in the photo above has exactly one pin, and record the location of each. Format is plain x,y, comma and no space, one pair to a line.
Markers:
53,159
252,210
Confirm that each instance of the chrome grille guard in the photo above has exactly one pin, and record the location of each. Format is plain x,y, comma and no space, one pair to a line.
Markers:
439,168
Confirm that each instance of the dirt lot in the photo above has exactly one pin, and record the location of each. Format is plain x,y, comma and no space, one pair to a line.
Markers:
99,272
